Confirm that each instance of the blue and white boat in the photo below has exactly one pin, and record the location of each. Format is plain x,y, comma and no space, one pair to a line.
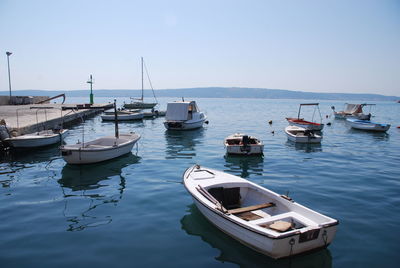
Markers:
367,125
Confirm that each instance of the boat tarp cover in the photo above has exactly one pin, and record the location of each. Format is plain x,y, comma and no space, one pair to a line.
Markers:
353,108
177,111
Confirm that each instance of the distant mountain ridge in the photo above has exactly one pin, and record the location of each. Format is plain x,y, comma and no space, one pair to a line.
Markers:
211,92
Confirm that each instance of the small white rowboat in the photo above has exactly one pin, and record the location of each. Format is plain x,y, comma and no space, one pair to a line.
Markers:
242,144
265,221
302,135
98,150
38,139
367,125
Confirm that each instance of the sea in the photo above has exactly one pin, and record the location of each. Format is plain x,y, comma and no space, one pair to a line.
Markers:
133,211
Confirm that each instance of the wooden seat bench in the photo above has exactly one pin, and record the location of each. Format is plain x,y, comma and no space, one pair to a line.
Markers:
250,208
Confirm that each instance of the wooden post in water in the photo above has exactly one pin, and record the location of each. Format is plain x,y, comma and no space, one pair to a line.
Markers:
116,119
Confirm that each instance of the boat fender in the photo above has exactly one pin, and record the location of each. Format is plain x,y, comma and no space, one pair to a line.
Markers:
291,243
325,237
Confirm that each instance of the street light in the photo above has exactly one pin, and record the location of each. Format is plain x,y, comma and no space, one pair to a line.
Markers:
9,76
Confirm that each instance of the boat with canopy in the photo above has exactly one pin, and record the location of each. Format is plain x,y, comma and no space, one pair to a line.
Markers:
353,111
184,115
300,122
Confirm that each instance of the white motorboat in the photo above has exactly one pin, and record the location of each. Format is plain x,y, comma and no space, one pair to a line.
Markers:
300,122
352,111
139,103
38,139
123,116
265,221
183,115
243,144
302,135
99,150
367,125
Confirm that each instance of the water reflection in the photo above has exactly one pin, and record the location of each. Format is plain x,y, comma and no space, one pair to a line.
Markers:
378,136
232,251
87,187
181,144
31,155
243,166
305,147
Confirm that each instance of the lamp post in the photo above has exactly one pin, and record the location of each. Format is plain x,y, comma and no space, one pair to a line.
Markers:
9,76
91,89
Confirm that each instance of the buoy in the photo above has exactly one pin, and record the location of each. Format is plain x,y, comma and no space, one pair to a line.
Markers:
329,123
398,126
270,122
273,132
206,122
326,116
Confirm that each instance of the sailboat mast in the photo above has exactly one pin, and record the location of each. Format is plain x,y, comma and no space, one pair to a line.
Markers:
142,78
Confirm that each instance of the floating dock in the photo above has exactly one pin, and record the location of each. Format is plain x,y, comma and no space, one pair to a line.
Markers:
23,119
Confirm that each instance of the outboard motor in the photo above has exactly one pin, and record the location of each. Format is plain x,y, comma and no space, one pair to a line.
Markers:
245,140
4,134
245,147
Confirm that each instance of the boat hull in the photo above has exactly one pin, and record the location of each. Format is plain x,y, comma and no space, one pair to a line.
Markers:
305,124
344,116
368,125
83,155
275,248
183,125
32,141
251,149
139,105
312,138
125,117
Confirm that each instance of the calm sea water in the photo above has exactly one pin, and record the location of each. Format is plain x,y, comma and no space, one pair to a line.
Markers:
134,211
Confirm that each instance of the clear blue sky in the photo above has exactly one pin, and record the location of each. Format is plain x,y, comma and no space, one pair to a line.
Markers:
318,46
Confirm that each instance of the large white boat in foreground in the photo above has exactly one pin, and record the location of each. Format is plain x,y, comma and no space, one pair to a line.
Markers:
99,150
267,222
242,144
38,139
183,115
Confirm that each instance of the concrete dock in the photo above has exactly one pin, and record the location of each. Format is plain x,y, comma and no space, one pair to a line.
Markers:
23,119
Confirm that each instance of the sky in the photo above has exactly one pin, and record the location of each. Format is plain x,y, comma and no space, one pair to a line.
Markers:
349,46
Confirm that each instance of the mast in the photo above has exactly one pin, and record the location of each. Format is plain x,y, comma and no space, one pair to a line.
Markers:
116,119
142,78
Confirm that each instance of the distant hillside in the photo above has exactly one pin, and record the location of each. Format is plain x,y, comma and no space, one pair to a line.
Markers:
212,92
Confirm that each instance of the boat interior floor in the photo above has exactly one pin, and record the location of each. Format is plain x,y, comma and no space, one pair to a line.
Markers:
265,215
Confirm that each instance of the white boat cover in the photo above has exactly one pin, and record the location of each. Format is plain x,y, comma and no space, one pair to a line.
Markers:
177,111
353,108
